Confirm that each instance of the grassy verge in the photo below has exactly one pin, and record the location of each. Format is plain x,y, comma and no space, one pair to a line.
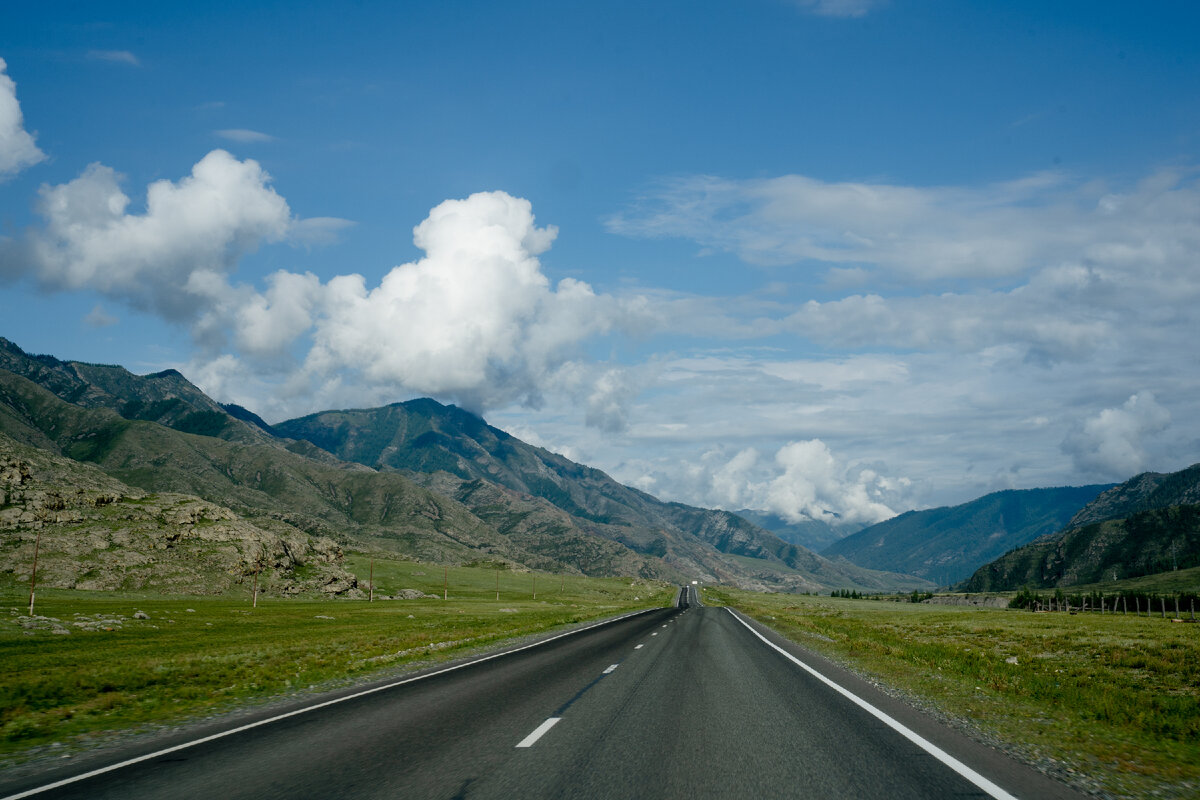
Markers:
97,668
1111,702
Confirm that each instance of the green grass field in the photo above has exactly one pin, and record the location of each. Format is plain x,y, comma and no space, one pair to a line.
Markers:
1112,701
196,656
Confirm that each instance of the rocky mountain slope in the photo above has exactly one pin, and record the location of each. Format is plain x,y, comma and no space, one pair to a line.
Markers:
94,532
421,479
439,446
947,544
1147,525
263,482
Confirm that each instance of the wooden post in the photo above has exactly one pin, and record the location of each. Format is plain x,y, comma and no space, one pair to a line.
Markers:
535,586
1162,606
1177,607
371,582
257,567
445,582
562,585
497,586
37,543
1124,606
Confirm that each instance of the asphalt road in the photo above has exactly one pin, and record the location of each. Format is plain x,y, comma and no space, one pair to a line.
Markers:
672,703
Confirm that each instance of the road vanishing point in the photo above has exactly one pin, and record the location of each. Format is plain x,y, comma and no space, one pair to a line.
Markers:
682,702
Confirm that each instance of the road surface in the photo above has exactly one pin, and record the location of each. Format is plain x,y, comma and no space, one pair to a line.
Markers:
686,702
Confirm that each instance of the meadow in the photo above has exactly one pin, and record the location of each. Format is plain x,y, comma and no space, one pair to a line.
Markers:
89,669
1108,702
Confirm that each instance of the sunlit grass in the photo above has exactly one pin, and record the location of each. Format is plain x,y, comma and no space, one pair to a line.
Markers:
1113,697
200,655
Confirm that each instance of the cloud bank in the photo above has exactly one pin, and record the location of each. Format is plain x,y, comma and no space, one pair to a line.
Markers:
17,148
804,480
475,320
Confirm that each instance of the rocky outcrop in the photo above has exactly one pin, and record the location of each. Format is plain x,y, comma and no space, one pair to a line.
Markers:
92,532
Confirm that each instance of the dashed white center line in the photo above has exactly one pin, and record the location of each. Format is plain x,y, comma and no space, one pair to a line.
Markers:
611,668
538,732
639,647
654,634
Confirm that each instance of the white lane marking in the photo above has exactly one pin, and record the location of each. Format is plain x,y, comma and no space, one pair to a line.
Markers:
130,762
639,647
538,732
611,668
929,747
653,634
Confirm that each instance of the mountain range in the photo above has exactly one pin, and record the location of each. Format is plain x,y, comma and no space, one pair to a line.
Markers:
1147,525
419,478
947,544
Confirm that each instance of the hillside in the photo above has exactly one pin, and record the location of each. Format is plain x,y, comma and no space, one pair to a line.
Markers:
947,544
1143,492
349,503
811,533
426,439
95,532
1142,527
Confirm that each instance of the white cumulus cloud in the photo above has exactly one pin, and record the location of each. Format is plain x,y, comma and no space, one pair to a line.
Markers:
476,319
1112,444
805,480
17,147
174,257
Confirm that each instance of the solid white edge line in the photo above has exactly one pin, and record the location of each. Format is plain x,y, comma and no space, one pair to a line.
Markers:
929,747
538,732
148,756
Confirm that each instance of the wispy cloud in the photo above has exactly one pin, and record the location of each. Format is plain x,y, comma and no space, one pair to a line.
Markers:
99,318
244,135
839,8
115,57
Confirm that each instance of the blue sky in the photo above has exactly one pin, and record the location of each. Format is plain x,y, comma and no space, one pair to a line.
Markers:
823,257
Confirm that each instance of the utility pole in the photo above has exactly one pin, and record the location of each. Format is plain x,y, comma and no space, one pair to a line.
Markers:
37,542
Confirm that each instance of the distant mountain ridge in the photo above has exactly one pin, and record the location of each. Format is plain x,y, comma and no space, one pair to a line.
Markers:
1147,525
424,439
814,534
947,544
427,480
